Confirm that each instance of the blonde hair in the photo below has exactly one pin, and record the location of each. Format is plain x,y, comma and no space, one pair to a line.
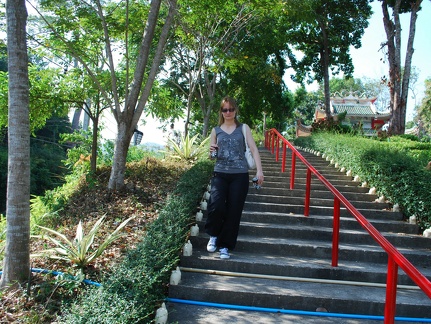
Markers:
232,104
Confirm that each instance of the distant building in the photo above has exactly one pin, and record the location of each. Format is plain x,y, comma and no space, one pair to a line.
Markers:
360,113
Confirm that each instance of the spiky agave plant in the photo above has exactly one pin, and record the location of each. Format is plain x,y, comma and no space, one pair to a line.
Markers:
188,149
78,251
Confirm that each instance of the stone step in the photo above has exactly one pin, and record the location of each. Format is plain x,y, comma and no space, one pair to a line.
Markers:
189,312
348,222
316,201
290,266
287,294
352,195
319,210
300,184
308,248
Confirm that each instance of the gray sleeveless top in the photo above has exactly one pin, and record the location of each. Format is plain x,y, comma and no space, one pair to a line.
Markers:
231,148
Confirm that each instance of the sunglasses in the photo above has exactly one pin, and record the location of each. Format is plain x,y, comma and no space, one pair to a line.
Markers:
225,110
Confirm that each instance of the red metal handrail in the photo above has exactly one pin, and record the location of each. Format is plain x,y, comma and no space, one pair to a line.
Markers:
395,258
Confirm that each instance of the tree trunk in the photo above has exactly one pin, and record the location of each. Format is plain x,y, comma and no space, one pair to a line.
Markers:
76,117
324,57
139,92
122,142
16,263
93,161
208,90
326,88
205,129
189,109
408,64
398,83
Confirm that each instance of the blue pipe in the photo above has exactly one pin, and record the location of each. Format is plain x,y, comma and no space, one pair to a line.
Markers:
294,312
58,273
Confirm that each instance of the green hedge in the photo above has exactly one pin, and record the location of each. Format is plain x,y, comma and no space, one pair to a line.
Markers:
396,167
139,284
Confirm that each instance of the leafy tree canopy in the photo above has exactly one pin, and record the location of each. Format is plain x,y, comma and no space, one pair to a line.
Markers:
325,25
50,93
256,68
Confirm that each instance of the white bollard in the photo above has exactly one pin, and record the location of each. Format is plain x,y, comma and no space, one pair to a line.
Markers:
372,191
175,277
162,315
188,249
194,230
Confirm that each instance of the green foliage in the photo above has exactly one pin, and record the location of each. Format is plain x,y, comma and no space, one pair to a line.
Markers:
47,171
2,235
132,292
139,153
3,178
46,155
424,110
305,104
44,208
50,95
396,167
77,251
78,155
341,22
188,150
331,124
257,65
54,292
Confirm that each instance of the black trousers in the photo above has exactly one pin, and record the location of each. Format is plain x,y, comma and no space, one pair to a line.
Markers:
228,193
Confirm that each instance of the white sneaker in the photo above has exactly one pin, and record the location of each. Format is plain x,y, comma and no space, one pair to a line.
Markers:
224,253
211,246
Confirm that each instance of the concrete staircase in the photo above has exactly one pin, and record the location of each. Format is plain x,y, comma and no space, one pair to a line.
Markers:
283,259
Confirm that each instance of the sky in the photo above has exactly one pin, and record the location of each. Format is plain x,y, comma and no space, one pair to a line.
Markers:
367,60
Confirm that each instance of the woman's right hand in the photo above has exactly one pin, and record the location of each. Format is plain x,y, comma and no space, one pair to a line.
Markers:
213,150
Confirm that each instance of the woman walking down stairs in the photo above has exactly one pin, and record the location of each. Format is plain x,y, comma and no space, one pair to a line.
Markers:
280,271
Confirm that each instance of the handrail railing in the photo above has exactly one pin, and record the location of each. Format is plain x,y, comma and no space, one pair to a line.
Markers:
395,258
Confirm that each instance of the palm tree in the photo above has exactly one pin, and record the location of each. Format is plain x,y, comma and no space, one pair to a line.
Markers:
16,263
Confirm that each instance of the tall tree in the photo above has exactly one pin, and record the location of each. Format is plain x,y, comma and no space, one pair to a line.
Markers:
257,65
16,263
132,52
204,36
398,79
323,32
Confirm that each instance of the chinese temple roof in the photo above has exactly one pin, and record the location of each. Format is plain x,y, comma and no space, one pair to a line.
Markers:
356,106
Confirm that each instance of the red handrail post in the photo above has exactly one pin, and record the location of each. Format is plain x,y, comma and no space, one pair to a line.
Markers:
283,159
292,171
277,149
307,193
336,232
272,142
391,291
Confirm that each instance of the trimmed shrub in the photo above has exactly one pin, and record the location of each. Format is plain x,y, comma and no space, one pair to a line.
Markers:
396,167
135,289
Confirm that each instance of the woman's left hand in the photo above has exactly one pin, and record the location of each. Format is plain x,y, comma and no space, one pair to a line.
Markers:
260,178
